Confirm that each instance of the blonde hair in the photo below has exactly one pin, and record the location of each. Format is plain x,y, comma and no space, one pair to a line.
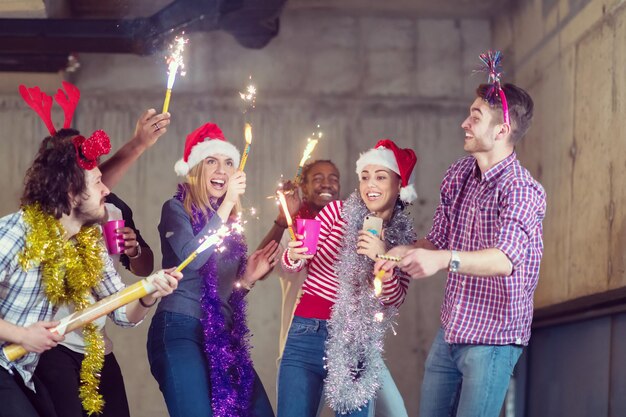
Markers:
198,194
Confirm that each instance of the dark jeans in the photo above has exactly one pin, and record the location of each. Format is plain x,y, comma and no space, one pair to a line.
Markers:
177,362
16,400
301,374
59,370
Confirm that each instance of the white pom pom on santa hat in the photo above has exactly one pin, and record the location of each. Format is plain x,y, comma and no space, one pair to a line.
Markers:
401,161
205,141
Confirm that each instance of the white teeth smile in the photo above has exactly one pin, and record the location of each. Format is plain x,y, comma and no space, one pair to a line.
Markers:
373,195
326,195
218,182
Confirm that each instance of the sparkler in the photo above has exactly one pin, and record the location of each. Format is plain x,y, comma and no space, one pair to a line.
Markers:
389,258
249,100
175,63
308,150
283,203
378,282
378,278
129,294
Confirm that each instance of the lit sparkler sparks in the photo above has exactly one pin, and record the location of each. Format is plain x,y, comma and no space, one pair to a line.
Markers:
308,150
283,203
175,63
249,100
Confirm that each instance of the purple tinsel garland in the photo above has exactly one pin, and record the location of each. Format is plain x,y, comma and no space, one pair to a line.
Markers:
227,352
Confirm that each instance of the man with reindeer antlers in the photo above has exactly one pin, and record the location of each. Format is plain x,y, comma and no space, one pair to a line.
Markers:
51,254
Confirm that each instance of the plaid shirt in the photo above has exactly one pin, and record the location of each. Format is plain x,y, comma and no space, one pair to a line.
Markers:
503,209
22,298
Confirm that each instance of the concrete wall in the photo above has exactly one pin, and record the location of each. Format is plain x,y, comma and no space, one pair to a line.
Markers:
362,78
571,56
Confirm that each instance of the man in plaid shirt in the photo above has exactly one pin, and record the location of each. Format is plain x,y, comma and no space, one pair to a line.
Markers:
74,195
487,232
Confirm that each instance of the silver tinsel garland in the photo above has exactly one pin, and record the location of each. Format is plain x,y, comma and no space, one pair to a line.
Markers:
355,338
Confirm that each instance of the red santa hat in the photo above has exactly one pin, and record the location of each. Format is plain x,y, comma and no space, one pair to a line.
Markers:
401,161
205,141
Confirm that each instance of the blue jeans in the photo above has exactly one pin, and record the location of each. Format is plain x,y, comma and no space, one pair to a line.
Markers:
466,380
301,374
388,402
177,362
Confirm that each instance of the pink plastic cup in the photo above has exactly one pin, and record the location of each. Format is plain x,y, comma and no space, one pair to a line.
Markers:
113,240
310,229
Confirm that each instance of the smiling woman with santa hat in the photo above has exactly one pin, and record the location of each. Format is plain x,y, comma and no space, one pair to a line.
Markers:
336,338
197,342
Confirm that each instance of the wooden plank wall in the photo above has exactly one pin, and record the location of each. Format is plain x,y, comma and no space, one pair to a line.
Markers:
571,57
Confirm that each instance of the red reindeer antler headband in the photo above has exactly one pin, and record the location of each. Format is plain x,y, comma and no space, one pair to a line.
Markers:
87,150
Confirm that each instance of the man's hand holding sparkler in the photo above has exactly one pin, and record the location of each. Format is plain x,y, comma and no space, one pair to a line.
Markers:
165,282
388,262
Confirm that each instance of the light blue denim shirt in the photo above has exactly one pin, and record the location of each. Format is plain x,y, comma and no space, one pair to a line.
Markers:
178,241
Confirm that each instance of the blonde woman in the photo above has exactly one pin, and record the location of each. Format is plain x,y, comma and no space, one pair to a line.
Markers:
197,343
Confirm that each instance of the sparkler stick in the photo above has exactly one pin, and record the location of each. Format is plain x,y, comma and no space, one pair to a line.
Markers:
305,155
378,282
283,203
389,258
378,278
249,100
174,64
308,150
246,150
129,294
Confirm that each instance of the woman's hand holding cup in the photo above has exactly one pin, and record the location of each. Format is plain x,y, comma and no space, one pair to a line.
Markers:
296,251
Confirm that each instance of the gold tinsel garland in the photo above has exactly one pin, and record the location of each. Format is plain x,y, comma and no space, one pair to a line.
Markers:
70,269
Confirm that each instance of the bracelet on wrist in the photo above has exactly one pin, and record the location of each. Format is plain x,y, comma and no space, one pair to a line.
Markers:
147,305
282,226
138,254
243,284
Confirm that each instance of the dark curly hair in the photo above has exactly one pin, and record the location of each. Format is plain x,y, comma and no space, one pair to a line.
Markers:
520,108
307,167
54,175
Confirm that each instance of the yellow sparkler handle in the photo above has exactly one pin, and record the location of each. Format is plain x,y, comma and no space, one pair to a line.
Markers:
186,262
298,178
166,103
244,157
292,233
378,282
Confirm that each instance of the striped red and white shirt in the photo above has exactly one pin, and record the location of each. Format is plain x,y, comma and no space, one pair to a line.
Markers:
504,209
321,285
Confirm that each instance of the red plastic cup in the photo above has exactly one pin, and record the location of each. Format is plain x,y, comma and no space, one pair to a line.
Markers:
310,229
114,241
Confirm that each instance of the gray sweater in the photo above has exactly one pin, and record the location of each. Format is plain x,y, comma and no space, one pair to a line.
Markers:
178,242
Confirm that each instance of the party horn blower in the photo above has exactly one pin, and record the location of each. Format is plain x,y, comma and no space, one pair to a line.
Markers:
283,204
129,294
